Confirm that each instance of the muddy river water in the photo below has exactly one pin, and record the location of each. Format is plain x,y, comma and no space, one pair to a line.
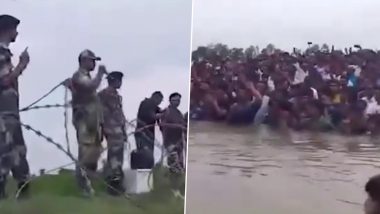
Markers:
249,170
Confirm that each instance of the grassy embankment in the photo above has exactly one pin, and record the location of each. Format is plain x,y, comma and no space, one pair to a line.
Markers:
58,194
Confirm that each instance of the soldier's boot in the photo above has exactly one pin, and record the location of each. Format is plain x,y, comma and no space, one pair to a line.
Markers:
112,188
84,182
23,189
115,186
87,189
88,193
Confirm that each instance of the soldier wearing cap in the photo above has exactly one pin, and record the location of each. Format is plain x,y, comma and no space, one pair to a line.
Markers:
12,145
87,117
114,132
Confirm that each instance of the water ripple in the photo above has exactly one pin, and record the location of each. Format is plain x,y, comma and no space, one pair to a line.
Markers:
332,165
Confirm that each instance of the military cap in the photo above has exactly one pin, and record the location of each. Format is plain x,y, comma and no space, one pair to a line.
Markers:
87,54
8,22
115,75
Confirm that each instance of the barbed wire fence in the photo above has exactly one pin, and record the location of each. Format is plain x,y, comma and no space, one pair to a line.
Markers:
74,161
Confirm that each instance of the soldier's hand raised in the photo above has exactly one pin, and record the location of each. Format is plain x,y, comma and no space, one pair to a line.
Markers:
24,58
102,69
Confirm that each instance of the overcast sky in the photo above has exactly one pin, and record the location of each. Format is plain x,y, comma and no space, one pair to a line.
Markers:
286,23
149,41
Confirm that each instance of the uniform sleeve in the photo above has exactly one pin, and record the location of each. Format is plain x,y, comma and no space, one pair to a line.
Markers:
105,101
166,116
6,68
5,81
147,111
102,97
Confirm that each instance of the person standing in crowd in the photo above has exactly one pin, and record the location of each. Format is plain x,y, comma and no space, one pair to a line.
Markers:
13,149
114,132
87,118
173,127
148,115
318,89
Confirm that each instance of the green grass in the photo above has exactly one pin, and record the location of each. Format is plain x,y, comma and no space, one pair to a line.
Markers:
59,194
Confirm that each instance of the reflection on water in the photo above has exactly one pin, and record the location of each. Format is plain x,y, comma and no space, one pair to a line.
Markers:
254,170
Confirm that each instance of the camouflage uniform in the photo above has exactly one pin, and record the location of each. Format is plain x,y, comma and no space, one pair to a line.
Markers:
12,144
114,132
173,137
87,119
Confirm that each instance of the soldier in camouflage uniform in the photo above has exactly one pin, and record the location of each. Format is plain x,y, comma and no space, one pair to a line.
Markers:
87,118
114,132
173,129
12,145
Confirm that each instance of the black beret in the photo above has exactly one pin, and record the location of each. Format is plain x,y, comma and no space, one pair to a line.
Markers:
8,22
115,75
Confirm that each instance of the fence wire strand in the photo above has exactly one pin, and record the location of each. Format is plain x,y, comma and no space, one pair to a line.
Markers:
67,152
66,122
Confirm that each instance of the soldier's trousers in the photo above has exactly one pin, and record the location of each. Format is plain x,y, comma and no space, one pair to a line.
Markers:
175,155
175,161
20,169
145,141
12,150
115,156
89,151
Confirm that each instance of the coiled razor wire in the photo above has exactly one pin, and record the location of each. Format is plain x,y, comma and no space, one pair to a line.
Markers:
66,105
59,147
75,161
44,96
45,107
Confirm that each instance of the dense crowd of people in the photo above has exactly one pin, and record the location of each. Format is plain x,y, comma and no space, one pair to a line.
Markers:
321,88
